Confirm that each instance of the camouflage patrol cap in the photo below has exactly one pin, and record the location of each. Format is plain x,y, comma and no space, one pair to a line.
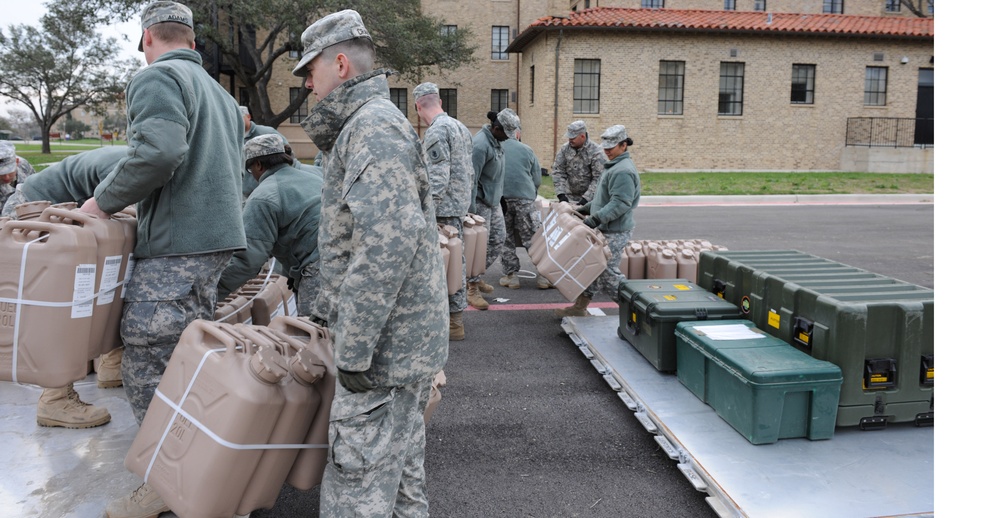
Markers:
159,12
613,136
269,144
510,122
425,89
328,31
575,129
8,158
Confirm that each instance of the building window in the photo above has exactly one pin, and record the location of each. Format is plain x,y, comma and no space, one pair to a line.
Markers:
244,97
586,86
876,81
892,6
731,88
729,5
295,54
531,83
449,30
501,38
760,5
498,100
652,4
671,91
833,6
449,101
398,97
803,83
303,110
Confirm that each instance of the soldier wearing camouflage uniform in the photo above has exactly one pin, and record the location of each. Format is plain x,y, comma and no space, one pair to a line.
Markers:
383,273
183,171
14,170
616,198
72,180
578,166
487,187
281,220
521,178
448,146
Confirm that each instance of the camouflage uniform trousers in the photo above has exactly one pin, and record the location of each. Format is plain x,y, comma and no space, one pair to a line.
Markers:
376,463
307,289
459,301
521,220
164,295
612,275
496,231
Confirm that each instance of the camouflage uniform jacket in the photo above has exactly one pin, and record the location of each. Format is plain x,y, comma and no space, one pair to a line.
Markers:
382,271
24,171
448,145
488,165
184,164
577,171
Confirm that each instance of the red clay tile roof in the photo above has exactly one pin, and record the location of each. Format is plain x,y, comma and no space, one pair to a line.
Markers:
613,18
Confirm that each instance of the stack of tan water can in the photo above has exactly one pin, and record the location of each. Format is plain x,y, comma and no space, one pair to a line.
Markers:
567,252
62,274
476,239
259,300
452,251
664,258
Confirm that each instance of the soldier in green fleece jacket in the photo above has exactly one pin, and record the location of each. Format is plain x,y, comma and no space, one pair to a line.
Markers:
183,170
281,219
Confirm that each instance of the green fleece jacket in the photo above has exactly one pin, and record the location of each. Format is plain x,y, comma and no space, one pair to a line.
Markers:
522,175
185,161
487,166
75,177
617,195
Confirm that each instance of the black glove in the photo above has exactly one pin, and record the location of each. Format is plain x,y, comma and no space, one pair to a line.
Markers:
318,321
291,286
563,198
354,382
583,209
584,201
592,221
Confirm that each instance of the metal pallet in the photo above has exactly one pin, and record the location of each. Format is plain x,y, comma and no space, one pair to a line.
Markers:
856,473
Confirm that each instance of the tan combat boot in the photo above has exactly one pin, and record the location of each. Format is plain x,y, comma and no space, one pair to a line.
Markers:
456,329
511,281
109,369
62,407
144,502
475,299
578,309
485,288
542,283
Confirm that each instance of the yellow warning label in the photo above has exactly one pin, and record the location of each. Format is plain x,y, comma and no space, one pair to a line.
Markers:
879,379
930,374
670,297
774,319
633,318
804,338
682,287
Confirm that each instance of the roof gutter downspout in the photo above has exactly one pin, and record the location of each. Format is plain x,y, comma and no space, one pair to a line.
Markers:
555,110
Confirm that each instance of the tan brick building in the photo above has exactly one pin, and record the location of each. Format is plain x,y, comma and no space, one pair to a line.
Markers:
700,85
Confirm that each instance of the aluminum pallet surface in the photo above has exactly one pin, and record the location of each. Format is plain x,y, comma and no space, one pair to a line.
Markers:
886,472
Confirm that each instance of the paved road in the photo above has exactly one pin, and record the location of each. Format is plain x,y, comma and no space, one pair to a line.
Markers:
527,428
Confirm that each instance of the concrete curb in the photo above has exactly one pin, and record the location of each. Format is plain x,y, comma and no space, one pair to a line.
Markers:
789,199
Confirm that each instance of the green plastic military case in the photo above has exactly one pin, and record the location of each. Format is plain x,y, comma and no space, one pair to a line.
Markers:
649,309
763,387
878,330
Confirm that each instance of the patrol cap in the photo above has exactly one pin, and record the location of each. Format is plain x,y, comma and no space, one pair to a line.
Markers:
269,144
328,31
575,129
613,136
159,12
510,121
8,158
425,89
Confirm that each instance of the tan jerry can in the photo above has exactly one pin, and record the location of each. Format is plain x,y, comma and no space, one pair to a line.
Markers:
575,255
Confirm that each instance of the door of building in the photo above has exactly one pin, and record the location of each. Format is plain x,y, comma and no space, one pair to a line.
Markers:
924,134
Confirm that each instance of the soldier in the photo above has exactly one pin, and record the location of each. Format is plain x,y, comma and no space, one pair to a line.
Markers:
578,166
384,295
72,180
610,211
14,170
185,140
448,145
281,218
488,165
250,130
521,178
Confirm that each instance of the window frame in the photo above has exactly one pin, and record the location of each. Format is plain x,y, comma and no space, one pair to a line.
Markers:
586,97
809,90
648,4
499,41
663,98
760,5
400,97
728,5
449,101
833,6
893,6
876,88
299,115
736,77
499,99
531,83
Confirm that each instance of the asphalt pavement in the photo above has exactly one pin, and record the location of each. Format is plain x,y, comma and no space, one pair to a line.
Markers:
526,426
